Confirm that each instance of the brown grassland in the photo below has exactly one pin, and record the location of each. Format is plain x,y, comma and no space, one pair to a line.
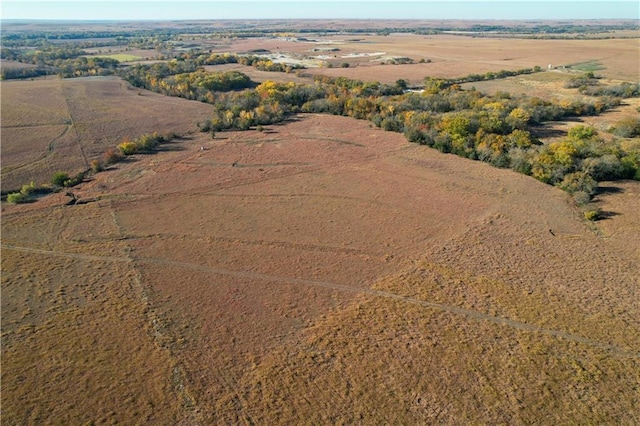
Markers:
322,271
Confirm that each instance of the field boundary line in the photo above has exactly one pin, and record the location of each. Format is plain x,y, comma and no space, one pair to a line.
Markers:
73,126
469,313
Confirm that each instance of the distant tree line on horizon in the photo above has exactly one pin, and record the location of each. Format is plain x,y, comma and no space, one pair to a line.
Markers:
18,37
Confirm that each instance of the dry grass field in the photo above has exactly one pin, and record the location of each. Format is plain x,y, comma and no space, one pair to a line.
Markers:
325,271
453,56
51,125
322,271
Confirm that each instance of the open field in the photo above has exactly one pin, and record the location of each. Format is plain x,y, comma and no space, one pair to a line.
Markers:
122,57
320,271
450,55
52,124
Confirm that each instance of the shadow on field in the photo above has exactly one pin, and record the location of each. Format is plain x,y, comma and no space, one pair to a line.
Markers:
606,215
544,131
173,145
603,190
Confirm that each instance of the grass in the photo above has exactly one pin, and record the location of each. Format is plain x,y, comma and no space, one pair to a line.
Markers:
61,338
122,57
588,66
89,339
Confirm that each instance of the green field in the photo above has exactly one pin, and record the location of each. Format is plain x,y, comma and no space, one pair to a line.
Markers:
588,66
122,57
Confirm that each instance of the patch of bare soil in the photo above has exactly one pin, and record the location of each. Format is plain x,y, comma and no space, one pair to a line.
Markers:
321,271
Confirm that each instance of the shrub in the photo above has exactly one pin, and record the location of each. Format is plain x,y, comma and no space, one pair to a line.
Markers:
147,142
112,156
414,135
17,198
128,148
627,128
579,182
75,180
631,165
593,214
607,167
28,189
391,124
59,178
520,160
96,166
581,198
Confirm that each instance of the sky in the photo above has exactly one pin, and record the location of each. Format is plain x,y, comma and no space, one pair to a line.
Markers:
315,9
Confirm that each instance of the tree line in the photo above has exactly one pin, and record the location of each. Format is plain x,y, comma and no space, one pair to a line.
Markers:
497,129
493,128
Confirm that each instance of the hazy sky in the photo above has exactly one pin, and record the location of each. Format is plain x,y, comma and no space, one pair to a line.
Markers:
310,9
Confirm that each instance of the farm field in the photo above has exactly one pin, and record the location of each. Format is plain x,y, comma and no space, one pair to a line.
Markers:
320,270
451,55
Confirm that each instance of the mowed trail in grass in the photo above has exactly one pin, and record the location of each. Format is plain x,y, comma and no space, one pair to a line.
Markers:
321,272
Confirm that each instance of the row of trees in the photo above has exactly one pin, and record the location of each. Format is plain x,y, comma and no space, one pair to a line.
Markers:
495,129
433,85
146,143
589,84
64,61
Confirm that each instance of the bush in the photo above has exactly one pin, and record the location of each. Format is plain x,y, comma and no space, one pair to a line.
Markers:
24,195
75,180
28,189
148,142
627,128
17,198
579,182
391,124
128,148
631,165
96,166
607,167
112,156
519,160
581,198
59,178
593,214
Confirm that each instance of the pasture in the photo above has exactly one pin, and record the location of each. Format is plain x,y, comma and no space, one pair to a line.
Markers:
122,57
291,264
318,271
54,124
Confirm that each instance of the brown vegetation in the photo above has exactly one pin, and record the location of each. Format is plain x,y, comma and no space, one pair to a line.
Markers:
322,270
53,124
319,271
